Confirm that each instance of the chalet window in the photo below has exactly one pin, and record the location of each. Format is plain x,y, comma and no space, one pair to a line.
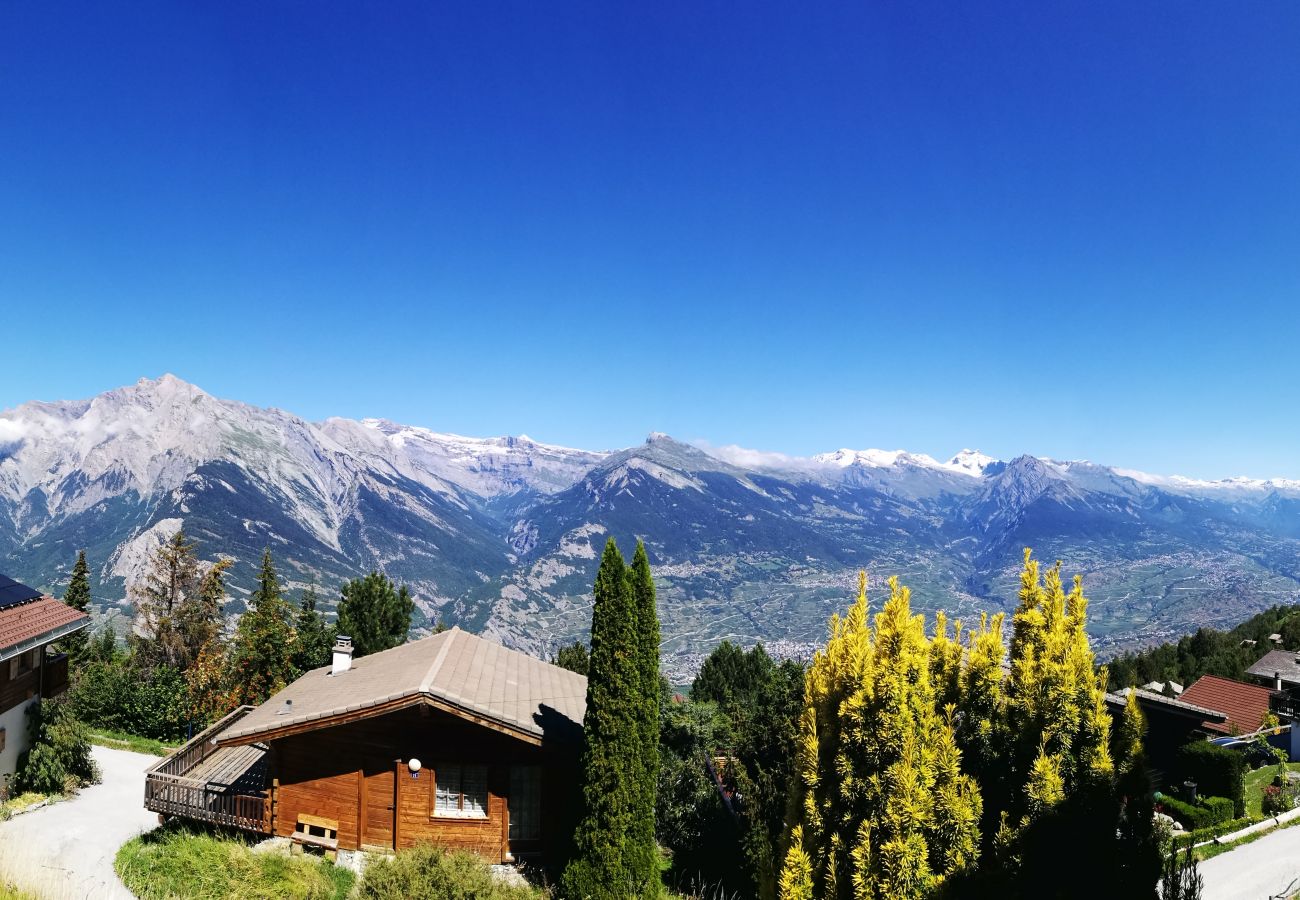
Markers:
460,791
525,803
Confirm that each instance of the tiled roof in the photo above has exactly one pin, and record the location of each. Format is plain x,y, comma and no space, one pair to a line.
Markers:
23,625
1245,705
1277,662
476,675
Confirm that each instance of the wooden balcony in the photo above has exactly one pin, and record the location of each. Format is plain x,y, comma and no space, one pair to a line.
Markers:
54,675
221,785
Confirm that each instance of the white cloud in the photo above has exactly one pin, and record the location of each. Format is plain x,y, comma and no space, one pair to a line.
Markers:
746,458
11,431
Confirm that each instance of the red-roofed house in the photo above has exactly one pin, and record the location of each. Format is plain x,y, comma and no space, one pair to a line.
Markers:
29,622
1245,705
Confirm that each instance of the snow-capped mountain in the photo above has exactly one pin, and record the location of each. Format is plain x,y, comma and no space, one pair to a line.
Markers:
503,534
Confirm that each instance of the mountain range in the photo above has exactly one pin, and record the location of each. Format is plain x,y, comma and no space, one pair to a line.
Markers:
502,535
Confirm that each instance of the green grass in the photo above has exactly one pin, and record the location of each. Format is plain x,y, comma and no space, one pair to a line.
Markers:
1212,850
11,893
1256,781
427,872
120,740
21,802
182,861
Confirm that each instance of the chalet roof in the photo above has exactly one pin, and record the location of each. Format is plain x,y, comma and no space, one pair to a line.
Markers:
1277,662
1245,705
31,623
1179,705
472,676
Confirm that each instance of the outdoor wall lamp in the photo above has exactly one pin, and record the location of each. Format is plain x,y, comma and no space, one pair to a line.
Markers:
414,766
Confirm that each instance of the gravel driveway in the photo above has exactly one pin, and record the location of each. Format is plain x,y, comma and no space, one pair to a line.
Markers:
66,850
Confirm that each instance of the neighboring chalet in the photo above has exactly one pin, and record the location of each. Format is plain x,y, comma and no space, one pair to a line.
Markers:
29,670
451,740
1171,723
1280,670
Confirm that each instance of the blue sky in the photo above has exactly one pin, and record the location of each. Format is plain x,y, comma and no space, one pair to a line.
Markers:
1067,229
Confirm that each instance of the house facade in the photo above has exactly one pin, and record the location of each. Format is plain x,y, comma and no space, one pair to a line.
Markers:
29,670
451,740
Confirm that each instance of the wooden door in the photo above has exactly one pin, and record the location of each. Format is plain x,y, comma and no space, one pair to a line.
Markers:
378,803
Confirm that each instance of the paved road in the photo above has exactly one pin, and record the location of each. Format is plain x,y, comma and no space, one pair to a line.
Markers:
66,850
1255,871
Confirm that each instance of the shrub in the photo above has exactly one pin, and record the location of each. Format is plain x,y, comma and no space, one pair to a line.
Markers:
180,860
1274,800
1216,770
1206,813
59,760
427,873
124,697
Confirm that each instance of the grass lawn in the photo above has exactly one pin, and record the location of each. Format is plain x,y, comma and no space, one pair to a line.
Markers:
120,740
180,860
1256,781
19,803
9,893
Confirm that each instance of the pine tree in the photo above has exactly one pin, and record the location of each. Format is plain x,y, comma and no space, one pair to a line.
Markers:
375,613
265,643
644,608
78,597
604,865
199,618
172,576
575,657
315,636
884,808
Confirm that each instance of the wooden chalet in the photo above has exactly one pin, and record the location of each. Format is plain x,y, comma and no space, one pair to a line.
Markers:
29,668
451,740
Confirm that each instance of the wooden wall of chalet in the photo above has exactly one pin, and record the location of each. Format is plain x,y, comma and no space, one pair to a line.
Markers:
357,773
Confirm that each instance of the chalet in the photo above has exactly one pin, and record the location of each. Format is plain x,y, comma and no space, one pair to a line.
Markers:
29,670
1280,670
451,740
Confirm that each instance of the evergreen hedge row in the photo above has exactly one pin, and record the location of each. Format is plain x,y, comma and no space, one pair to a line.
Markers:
1217,771
1208,812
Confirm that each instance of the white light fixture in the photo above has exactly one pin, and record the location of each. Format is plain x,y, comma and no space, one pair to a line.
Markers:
414,766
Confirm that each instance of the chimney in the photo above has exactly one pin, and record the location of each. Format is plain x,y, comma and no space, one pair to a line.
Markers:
1277,681
342,655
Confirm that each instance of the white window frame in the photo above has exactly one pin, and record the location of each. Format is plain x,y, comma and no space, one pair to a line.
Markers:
448,774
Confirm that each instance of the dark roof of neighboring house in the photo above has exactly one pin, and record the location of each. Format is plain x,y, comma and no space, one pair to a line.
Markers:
32,623
1177,705
455,670
1244,704
1278,662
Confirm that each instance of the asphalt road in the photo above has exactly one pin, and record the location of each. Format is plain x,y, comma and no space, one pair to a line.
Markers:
1255,871
66,850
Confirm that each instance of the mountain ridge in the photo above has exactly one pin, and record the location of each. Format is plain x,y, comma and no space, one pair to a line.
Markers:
502,533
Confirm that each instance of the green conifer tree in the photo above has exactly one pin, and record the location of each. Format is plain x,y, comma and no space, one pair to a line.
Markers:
78,597
315,635
575,657
644,850
375,613
265,643
604,865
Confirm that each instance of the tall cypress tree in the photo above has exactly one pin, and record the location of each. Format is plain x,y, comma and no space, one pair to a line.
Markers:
642,586
78,597
604,866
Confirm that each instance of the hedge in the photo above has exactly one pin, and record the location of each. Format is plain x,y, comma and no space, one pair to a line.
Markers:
1217,771
1201,835
1208,812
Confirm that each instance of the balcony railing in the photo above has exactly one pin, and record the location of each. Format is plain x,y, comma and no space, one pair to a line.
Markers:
213,784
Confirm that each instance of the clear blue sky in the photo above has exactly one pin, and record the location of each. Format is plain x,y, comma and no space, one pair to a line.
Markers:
1070,229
